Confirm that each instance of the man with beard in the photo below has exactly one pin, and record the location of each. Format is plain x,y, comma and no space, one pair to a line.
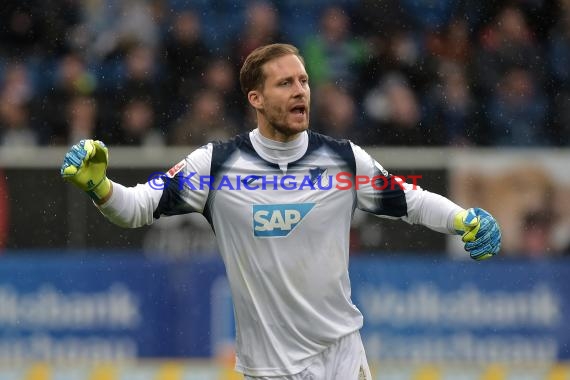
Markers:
285,247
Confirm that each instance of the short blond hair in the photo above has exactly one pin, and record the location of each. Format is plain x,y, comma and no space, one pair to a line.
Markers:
251,75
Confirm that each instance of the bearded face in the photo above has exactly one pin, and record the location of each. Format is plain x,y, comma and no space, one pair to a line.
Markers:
283,104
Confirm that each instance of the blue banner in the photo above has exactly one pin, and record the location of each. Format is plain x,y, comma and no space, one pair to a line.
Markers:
109,307
114,306
433,310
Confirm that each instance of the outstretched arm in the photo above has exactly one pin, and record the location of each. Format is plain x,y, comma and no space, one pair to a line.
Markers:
85,166
479,230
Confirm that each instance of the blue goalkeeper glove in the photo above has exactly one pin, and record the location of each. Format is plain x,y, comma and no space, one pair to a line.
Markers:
85,165
479,231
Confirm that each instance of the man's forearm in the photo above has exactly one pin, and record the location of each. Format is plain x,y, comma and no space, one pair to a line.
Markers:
434,211
130,206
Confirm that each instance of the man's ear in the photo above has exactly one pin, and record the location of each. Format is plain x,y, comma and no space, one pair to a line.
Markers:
255,99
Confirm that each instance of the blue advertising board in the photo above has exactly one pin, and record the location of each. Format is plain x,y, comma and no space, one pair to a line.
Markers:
114,306
465,311
68,307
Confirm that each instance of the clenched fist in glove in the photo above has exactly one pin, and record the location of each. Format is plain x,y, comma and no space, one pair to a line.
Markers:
85,165
479,231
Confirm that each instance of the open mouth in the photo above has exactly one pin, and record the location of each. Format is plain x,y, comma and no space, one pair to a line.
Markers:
299,110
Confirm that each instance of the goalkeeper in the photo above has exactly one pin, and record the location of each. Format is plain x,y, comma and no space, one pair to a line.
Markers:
285,252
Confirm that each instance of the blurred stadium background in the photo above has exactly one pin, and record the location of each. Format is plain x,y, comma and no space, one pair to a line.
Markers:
473,96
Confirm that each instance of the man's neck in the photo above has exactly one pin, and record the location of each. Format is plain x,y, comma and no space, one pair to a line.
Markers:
278,152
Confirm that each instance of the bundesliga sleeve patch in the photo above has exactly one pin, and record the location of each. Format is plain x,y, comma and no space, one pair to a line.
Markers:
176,169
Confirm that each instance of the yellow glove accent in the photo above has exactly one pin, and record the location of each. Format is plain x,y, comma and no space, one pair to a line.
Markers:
466,224
85,165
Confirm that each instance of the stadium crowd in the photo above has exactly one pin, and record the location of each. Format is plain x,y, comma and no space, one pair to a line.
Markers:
390,72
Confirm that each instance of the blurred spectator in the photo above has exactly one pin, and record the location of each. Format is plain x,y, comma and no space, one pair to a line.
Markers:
449,109
541,15
109,26
137,126
36,28
517,111
138,83
57,18
334,54
261,27
81,119
508,42
205,120
394,114
15,127
72,79
140,76
386,30
452,44
335,113
20,31
220,76
16,84
186,56
16,95
399,52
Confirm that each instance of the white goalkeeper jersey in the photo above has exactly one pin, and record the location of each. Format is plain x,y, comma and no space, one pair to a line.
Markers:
281,213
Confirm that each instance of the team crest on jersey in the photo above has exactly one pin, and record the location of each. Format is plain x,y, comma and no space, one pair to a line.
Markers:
319,175
278,220
176,169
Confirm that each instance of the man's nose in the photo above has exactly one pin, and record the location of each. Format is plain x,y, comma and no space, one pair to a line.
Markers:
300,89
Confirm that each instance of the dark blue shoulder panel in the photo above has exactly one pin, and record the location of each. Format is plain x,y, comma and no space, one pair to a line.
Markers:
223,150
392,200
171,201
